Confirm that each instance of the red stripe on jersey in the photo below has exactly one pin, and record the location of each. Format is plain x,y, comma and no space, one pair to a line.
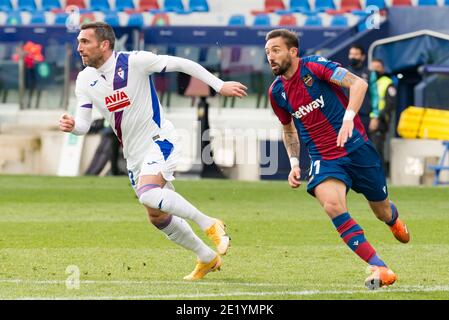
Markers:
358,125
119,106
318,127
117,103
319,70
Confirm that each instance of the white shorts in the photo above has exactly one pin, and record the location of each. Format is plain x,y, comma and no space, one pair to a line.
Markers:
162,157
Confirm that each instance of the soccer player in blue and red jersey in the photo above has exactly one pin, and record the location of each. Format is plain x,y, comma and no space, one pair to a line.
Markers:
308,99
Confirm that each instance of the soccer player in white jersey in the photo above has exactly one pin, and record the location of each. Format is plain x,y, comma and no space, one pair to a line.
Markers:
120,86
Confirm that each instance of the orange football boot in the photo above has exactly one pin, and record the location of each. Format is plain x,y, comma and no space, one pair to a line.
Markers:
400,231
380,277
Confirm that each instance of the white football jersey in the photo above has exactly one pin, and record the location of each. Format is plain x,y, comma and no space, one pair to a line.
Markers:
123,91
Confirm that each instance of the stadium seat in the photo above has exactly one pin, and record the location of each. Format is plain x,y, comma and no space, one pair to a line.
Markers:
288,20
111,18
427,3
173,6
349,5
273,5
61,18
148,5
79,3
123,5
198,6
26,5
313,21
378,3
38,17
396,3
14,18
441,165
335,12
262,20
361,13
48,5
339,21
135,20
87,17
5,5
237,20
299,5
160,19
323,5
99,5
361,23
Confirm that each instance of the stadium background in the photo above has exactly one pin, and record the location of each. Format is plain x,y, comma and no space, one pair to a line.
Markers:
227,37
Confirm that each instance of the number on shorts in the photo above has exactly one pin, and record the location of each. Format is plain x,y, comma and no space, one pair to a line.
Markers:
316,164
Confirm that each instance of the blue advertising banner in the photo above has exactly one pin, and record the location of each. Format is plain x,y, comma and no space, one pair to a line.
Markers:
226,36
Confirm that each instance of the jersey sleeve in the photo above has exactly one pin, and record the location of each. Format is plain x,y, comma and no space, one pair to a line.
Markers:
322,68
283,116
83,117
82,100
193,69
149,62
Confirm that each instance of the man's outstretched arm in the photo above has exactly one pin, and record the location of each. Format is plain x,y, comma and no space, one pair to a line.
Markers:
225,88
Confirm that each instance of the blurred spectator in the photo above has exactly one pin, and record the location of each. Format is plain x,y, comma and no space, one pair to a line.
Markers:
32,54
382,107
357,66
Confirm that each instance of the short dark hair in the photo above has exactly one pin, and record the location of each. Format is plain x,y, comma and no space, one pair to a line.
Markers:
358,47
290,37
378,60
103,32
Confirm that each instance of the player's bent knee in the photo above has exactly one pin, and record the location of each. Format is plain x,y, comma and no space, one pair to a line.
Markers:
151,198
153,213
333,208
157,217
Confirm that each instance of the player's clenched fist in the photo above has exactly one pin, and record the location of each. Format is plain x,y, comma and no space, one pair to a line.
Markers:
66,123
294,176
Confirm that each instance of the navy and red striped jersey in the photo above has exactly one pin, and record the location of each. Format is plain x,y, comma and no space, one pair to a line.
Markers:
317,107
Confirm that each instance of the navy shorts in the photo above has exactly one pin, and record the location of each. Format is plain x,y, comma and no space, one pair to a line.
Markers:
361,171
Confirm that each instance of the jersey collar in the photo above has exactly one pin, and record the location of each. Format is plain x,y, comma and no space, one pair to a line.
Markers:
108,65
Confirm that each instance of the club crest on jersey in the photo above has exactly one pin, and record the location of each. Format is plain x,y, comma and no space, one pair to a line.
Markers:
121,73
117,101
308,80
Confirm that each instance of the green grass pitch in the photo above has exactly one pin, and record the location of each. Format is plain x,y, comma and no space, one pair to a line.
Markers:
283,244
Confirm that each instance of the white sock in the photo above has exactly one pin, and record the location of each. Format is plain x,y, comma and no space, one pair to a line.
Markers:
180,232
173,203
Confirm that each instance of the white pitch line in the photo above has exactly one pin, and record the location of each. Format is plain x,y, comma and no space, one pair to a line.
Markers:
150,282
415,289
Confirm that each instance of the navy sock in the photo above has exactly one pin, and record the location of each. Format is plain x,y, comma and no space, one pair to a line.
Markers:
353,235
394,215
376,261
